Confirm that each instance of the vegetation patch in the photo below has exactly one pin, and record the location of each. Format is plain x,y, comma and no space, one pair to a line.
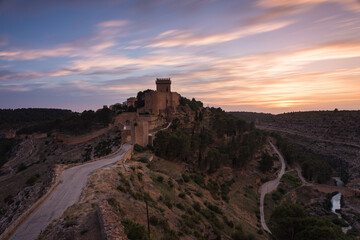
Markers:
134,230
291,221
290,179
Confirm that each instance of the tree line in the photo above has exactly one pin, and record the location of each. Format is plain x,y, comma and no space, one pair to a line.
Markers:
314,168
201,146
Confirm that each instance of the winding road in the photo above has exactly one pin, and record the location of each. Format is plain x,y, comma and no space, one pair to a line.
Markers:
269,187
64,195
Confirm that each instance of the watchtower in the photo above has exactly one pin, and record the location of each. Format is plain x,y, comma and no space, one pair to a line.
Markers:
163,85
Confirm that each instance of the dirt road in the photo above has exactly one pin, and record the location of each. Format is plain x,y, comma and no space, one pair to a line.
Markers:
65,194
269,187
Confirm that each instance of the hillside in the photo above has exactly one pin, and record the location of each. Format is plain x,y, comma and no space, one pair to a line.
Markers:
320,139
333,135
29,162
201,178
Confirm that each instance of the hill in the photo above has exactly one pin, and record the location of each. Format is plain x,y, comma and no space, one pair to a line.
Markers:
14,118
201,178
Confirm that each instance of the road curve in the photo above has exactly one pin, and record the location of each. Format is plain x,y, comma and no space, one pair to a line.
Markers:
65,194
269,187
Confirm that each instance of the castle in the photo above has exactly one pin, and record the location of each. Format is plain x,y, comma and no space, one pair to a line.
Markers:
161,101
157,109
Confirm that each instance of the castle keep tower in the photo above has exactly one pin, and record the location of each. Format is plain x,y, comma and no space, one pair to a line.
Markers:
163,85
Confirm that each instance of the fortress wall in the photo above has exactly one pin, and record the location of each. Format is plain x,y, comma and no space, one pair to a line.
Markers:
140,133
121,119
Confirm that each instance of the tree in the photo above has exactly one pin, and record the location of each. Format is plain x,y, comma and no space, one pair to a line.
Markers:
266,163
291,221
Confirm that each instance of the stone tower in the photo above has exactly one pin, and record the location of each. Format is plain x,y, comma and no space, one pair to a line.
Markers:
163,85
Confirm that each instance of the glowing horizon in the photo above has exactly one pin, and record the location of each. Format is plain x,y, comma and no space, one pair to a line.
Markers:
265,56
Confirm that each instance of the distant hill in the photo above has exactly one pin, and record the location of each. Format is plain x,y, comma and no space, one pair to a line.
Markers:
11,118
253,116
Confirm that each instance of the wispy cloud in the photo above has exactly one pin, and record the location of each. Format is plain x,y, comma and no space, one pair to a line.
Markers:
113,23
102,39
174,38
350,5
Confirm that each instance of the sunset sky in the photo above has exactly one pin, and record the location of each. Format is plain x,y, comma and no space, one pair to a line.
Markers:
262,55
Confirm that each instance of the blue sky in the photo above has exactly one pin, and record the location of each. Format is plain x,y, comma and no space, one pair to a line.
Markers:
262,55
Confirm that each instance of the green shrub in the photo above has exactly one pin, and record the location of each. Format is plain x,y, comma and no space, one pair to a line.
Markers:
199,193
197,206
266,162
139,175
276,196
134,230
154,220
180,206
160,179
287,178
182,195
121,188
31,181
198,179
168,203
139,148
170,183
185,177
213,188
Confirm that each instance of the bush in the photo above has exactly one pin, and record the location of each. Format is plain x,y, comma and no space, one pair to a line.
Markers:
185,177
170,183
134,230
182,195
197,206
139,175
266,162
160,179
213,208
139,148
276,196
287,178
180,206
9,199
154,220
121,188
21,167
213,188
199,194
198,179
31,181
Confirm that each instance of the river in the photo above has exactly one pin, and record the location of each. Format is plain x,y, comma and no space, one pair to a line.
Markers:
336,203
336,199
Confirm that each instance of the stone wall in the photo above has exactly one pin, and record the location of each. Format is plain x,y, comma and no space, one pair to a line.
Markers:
123,117
110,223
